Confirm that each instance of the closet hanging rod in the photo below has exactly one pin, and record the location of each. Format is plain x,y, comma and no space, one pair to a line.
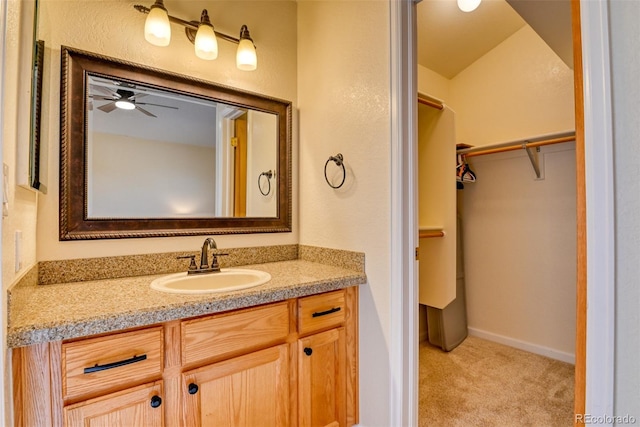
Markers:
433,104
519,145
428,233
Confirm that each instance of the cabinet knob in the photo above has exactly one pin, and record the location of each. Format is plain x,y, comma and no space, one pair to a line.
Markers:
193,388
308,351
156,401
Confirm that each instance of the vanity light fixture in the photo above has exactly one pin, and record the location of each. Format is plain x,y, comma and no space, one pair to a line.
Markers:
246,56
157,31
205,42
468,5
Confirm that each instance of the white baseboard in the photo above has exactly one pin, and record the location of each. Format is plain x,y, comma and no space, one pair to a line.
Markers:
523,345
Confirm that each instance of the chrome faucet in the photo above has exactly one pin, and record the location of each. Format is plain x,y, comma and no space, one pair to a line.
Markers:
209,243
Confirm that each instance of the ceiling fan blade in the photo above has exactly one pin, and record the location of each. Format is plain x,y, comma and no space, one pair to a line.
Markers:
101,98
103,90
107,108
138,96
156,105
142,110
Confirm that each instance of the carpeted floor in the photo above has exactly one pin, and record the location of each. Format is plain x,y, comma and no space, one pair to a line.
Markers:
481,383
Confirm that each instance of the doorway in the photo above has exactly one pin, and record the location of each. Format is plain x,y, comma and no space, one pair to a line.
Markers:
518,224
594,182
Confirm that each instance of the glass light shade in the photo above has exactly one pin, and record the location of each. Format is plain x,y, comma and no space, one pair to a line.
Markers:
246,58
157,29
206,42
468,5
125,104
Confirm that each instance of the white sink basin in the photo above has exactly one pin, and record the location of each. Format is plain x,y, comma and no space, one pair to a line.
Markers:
227,280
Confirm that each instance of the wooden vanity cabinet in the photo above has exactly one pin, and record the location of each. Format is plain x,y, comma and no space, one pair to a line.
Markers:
322,361
248,382
322,379
282,364
248,390
137,406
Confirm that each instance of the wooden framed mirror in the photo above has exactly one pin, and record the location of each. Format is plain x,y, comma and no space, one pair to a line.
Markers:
147,153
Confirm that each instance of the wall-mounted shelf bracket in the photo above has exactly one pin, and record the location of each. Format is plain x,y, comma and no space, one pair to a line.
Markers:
537,165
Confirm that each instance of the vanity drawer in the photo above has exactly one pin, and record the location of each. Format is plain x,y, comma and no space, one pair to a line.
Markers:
224,334
322,311
110,362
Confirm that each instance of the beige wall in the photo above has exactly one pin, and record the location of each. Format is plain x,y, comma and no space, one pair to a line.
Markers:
519,233
115,29
519,246
171,178
262,156
625,66
433,84
517,90
343,94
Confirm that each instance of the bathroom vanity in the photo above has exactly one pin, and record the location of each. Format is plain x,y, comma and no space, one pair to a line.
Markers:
284,353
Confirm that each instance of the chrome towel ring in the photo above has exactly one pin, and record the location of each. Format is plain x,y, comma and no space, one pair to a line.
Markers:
269,175
339,161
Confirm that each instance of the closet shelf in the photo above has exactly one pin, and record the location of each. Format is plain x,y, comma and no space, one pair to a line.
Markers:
430,101
526,144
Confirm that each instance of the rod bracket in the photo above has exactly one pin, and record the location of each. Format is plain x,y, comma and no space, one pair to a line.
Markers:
534,159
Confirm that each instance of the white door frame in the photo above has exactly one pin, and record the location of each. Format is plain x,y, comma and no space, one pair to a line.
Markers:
600,232
599,175
404,228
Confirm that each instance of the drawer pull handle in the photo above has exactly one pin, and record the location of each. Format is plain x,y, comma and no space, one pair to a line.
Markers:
193,388
156,401
308,351
98,368
324,313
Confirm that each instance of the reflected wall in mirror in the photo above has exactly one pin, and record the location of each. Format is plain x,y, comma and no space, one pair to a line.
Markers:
145,153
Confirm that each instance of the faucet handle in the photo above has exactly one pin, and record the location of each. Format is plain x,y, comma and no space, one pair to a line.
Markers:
214,260
192,264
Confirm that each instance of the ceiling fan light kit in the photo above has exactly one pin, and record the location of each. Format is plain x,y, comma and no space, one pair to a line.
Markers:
157,31
125,104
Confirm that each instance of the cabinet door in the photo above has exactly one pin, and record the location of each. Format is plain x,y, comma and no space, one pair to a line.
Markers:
322,379
139,406
250,390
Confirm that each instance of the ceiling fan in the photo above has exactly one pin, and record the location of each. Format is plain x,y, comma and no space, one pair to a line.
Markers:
124,99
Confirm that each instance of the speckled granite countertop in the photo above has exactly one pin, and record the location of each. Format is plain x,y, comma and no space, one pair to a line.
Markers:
56,312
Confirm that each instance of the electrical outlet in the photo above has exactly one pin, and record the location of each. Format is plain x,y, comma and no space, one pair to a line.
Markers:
18,246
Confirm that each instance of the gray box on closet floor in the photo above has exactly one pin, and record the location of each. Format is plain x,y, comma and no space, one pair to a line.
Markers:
447,327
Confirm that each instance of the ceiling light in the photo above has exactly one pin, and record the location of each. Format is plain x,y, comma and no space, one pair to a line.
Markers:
158,32
205,42
468,5
246,58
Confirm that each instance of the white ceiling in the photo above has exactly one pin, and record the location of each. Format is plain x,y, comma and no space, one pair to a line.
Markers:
450,40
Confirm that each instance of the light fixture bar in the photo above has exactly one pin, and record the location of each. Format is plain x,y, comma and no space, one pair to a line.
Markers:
191,27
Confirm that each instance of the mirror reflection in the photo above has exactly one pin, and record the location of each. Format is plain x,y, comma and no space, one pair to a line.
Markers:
189,157
147,153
